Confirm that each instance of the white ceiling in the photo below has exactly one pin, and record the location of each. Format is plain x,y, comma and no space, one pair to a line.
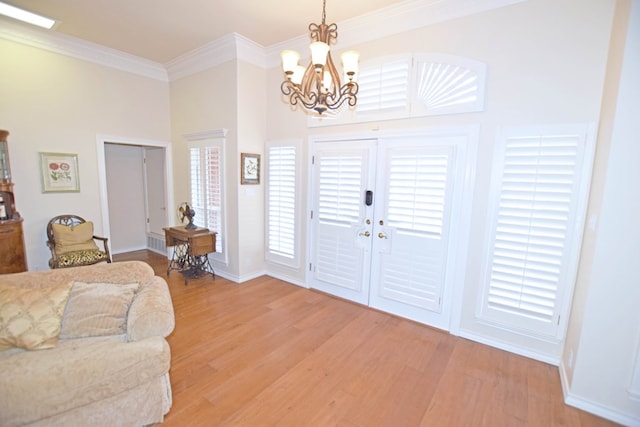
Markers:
162,30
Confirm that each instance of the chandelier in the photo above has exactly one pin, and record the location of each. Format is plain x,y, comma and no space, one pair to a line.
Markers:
317,87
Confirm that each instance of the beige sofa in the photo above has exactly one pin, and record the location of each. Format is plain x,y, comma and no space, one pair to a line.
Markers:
107,364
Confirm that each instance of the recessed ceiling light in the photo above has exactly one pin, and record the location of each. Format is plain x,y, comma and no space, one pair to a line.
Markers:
26,16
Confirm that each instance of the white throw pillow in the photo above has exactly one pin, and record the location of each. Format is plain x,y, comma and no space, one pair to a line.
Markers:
97,309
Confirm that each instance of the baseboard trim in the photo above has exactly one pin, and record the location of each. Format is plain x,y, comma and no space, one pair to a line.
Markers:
509,347
158,251
235,278
131,249
247,277
226,275
287,279
244,278
591,406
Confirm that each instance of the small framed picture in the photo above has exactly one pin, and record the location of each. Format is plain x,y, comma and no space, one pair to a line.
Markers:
59,172
249,168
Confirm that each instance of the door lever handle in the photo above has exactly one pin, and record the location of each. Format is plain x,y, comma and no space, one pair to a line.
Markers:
365,234
382,235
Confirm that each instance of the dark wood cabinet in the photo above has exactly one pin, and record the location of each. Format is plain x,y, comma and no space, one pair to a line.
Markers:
12,249
13,257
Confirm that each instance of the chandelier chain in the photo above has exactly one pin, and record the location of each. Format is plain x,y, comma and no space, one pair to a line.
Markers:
324,13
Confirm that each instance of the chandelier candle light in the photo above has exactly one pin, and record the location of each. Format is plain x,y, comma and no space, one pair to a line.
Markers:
317,87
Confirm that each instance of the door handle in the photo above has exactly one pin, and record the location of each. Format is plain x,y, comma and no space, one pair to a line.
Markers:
381,235
365,234
368,198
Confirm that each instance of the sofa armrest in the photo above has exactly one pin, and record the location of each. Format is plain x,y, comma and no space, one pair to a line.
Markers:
151,312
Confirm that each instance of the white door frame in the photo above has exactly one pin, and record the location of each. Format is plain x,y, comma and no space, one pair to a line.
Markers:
101,140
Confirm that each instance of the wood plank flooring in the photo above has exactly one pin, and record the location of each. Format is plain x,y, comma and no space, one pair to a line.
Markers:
269,353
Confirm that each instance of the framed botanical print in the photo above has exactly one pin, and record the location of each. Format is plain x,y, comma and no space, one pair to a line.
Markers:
249,168
59,172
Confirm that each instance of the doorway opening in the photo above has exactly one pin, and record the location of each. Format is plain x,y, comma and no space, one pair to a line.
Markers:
136,192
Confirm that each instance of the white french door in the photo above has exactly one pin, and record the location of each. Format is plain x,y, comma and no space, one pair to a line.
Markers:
383,222
343,172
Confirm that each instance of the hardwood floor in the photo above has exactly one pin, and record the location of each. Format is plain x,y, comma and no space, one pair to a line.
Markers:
268,353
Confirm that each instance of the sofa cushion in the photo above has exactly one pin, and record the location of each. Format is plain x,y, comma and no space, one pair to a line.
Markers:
97,309
31,318
73,238
36,385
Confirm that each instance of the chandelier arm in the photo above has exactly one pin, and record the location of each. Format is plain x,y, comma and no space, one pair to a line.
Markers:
323,33
314,32
335,77
332,34
347,92
308,100
309,80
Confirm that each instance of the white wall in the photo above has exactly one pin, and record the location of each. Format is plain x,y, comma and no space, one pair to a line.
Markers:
126,196
251,130
543,68
203,102
55,103
604,334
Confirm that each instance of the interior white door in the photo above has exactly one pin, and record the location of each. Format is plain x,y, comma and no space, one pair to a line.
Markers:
156,204
341,221
411,229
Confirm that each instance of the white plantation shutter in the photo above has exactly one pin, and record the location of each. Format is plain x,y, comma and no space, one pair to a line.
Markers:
540,199
384,87
447,84
413,85
281,184
206,188
417,209
417,186
340,189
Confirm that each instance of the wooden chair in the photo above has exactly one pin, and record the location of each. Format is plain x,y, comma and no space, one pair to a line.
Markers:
72,242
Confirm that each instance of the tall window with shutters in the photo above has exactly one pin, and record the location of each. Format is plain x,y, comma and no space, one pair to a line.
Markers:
282,181
206,188
539,195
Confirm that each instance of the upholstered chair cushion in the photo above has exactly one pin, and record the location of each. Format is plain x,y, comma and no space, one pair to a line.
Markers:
83,257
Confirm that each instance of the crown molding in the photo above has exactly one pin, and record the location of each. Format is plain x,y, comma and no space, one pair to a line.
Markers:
227,48
80,49
398,18
395,19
